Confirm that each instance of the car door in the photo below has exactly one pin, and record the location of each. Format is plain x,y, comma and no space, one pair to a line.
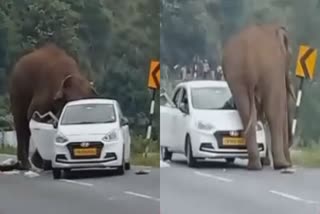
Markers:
165,120
171,125
125,133
182,120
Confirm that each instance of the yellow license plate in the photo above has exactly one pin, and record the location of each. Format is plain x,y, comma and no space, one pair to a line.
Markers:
85,152
234,141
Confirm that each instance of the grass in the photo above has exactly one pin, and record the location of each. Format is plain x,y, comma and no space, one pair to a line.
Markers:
7,149
307,157
152,159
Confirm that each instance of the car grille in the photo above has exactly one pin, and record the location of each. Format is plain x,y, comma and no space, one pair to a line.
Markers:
74,145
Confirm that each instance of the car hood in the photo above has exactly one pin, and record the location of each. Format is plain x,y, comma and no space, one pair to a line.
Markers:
87,129
220,119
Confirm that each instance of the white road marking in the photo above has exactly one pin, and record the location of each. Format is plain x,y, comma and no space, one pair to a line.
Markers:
292,197
213,176
77,182
141,195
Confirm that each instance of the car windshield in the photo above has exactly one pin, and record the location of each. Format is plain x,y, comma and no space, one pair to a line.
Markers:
211,98
88,114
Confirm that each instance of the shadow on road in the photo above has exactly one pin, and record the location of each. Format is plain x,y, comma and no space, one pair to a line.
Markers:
211,164
82,174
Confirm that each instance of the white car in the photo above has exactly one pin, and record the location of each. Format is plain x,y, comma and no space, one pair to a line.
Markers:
201,122
91,133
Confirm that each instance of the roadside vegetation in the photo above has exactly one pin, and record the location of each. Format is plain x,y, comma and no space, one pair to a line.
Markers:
306,156
7,149
113,41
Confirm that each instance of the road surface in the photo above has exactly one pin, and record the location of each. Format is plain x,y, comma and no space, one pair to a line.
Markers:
81,193
219,188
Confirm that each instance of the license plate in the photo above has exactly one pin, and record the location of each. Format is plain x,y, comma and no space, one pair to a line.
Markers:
234,141
85,152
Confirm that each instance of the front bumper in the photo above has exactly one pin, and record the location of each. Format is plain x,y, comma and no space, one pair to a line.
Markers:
110,154
209,145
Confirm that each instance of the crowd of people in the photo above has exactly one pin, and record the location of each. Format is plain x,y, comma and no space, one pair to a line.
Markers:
199,69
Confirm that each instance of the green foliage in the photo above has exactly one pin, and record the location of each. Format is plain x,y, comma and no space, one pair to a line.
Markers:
113,41
201,27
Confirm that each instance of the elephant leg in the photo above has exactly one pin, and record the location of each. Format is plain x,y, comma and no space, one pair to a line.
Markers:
23,136
276,118
242,100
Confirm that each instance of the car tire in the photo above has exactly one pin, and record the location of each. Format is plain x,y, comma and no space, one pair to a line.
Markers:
128,166
56,173
265,161
46,165
230,160
121,169
165,154
191,161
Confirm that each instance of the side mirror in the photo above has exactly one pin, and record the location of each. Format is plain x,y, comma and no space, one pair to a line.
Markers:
183,108
55,124
124,121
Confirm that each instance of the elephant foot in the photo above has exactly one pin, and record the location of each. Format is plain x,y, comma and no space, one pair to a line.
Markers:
254,165
24,166
281,165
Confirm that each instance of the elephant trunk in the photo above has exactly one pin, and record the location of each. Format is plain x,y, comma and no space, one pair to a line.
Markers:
9,167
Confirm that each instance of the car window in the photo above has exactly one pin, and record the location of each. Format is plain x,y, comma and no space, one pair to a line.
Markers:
212,98
176,97
88,114
184,96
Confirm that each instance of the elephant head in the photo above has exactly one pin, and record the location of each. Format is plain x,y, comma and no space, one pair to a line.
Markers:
73,87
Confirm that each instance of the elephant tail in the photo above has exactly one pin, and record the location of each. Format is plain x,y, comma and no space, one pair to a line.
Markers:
251,110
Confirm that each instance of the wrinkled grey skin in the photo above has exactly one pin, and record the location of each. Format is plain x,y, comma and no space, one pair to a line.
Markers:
43,80
256,65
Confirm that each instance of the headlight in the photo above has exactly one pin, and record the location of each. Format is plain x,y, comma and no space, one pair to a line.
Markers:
111,136
204,126
60,138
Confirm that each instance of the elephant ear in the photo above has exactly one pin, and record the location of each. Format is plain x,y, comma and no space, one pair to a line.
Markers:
66,82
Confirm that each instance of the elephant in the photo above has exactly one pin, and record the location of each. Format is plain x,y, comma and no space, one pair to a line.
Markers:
291,107
256,64
43,80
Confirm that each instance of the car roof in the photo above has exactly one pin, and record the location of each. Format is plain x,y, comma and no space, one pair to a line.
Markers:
92,101
203,83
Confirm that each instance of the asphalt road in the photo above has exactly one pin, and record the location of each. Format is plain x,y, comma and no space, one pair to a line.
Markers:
98,192
216,187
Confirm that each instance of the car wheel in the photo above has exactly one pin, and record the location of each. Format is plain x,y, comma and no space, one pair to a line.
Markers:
165,154
121,169
128,166
46,165
230,160
265,161
56,173
191,161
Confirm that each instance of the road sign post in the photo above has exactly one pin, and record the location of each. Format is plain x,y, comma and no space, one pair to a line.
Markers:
154,85
305,68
